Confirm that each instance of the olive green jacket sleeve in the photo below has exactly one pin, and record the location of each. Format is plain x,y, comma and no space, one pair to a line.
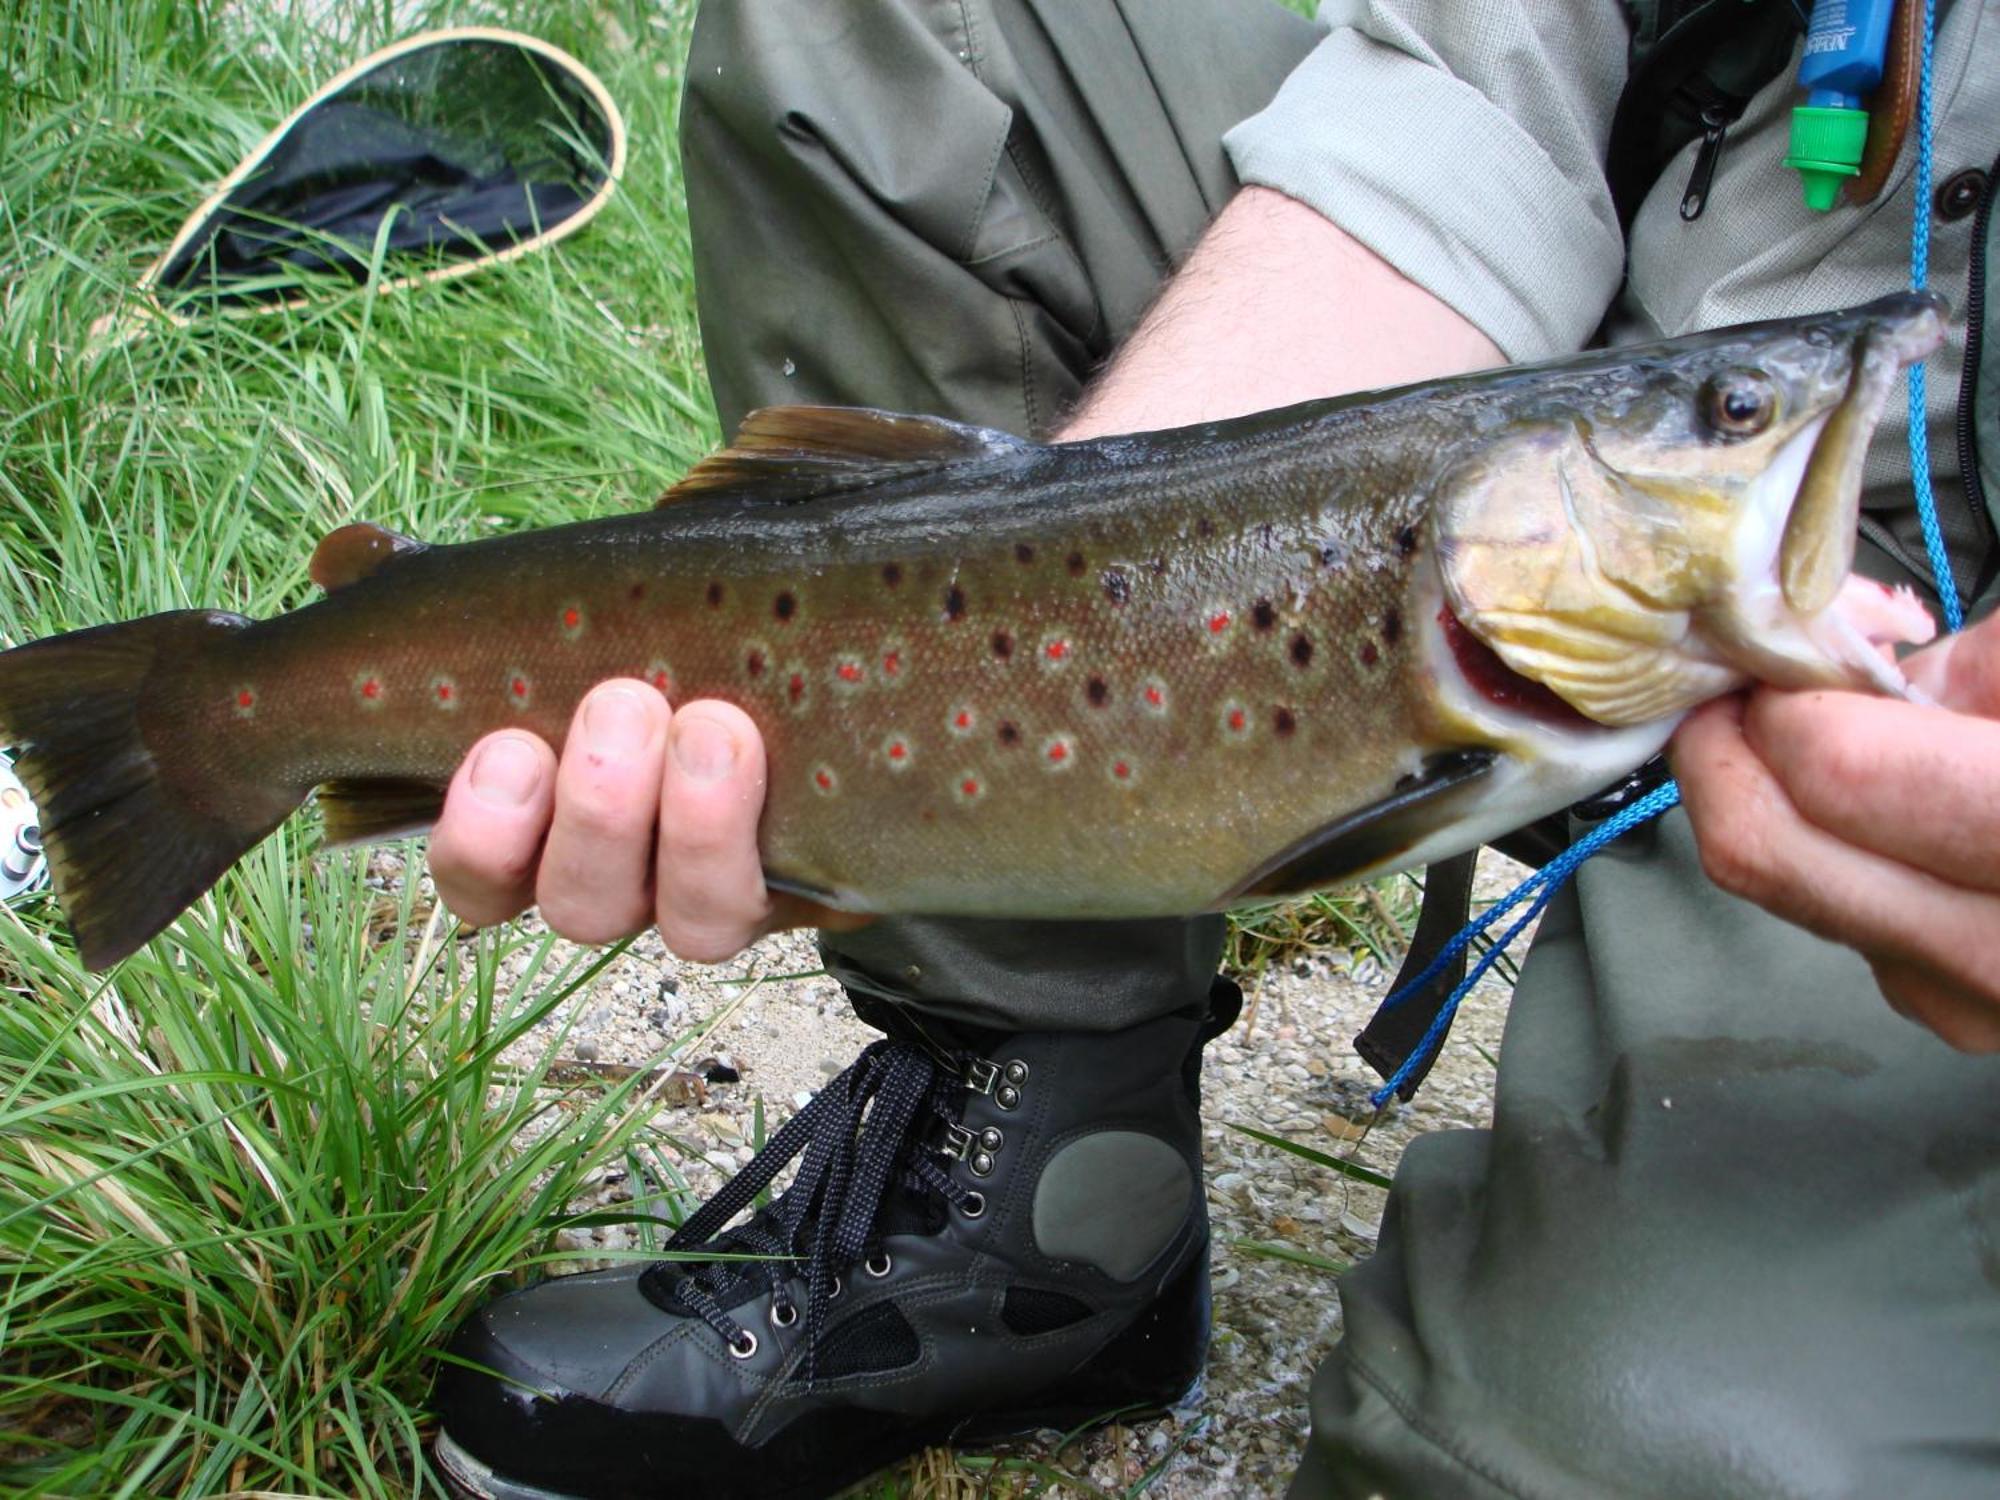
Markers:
1463,143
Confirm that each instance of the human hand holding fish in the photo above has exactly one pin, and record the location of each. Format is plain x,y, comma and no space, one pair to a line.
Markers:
1872,822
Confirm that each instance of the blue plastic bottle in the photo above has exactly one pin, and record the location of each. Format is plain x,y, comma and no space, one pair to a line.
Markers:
1846,42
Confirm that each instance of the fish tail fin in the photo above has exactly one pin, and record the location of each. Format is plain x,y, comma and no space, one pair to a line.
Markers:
135,817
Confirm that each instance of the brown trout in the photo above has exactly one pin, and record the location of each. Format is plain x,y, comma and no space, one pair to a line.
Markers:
1138,675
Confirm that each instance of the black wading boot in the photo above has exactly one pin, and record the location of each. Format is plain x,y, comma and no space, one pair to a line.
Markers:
987,1234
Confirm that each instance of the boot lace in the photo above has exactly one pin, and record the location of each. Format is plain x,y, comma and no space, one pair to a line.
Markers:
861,1136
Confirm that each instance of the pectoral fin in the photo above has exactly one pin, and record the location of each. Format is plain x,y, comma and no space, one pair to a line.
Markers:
1374,835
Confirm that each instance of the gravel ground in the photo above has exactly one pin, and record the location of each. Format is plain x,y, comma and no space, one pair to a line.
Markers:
1285,1068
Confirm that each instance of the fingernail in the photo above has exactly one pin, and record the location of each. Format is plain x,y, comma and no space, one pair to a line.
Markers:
704,750
506,772
616,722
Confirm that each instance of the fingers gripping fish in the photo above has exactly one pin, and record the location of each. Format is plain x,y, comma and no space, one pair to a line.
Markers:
1138,675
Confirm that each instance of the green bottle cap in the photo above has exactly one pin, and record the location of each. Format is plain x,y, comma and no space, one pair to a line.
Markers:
1826,150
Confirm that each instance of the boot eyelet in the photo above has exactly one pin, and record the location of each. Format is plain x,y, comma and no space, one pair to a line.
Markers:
1016,1072
836,1289
1007,1096
982,1164
784,1314
878,1266
991,1138
744,1347
973,1205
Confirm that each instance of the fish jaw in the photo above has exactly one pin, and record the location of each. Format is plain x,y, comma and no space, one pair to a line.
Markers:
1797,617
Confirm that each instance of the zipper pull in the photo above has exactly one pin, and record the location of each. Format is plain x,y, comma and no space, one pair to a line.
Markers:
1714,126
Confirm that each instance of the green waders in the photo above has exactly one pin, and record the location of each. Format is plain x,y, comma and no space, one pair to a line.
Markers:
1736,1230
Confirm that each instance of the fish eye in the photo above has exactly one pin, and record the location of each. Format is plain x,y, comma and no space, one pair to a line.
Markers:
1739,403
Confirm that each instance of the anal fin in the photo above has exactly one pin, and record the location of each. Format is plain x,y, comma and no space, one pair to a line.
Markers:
1374,835
362,811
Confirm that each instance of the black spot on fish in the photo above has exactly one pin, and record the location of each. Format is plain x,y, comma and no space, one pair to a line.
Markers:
1117,587
784,607
1008,733
1097,692
892,574
1157,566
1203,526
1266,534
1301,650
1023,553
954,603
1076,565
1331,554
1392,626
637,591
1369,654
1284,721
1406,541
715,596
1003,644
754,664
1263,615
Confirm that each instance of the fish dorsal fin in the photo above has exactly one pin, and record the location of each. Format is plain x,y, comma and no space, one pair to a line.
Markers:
356,550
1420,804
795,452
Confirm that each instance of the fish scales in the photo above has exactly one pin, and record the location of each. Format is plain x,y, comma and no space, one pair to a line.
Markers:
1132,704
1139,675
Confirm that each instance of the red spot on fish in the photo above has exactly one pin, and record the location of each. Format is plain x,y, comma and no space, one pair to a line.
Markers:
444,692
964,720
1237,719
1056,650
892,664
969,787
1122,770
824,780
572,617
898,750
246,699
518,687
662,681
1218,622
371,689
848,671
1058,752
795,689
1156,696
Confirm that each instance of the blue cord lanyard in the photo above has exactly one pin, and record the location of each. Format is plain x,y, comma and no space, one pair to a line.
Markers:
1553,876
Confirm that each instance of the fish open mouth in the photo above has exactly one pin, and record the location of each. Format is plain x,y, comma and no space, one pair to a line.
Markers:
1800,616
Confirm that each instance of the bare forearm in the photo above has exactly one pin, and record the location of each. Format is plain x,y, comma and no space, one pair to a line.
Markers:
1276,305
